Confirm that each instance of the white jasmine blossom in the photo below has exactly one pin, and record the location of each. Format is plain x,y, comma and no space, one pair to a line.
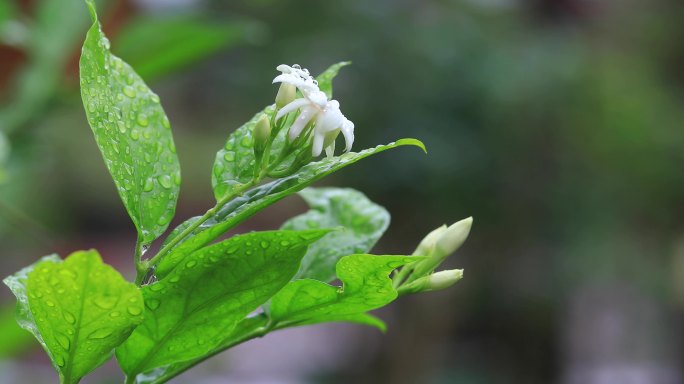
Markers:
314,107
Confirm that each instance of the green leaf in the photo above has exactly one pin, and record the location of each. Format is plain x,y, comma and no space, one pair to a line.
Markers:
256,199
248,328
363,223
244,330
234,164
202,299
79,309
366,286
155,46
133,133
358,318
179,229
325,79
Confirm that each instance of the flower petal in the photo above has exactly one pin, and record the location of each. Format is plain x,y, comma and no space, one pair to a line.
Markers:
348,132
317,147
292,106
306,114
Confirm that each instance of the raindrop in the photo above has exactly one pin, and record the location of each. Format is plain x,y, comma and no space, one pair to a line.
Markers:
149,185
190,264
129,91
165,181
135,311
69,317
115,314
100,333
63,341
142,120
105,302
152,304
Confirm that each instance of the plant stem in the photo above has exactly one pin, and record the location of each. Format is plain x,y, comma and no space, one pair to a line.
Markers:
140,265
211,212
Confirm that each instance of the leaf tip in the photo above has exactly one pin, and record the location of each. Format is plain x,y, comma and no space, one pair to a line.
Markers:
92,9
414,142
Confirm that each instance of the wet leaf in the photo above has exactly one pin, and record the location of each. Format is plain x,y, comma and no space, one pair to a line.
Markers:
256,199
361,223
79,309
133,134
366,286
325,79
202,299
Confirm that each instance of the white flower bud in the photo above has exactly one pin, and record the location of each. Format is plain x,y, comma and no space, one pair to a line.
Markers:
439,244
261,133
286,94
427,245
452,238
434,282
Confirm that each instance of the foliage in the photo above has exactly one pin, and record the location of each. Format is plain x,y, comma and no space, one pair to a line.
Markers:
197,297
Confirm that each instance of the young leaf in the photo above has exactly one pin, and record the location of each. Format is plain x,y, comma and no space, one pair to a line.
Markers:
366,286
260,197
234,164
202,299
325,79
132,132
363,223
79,309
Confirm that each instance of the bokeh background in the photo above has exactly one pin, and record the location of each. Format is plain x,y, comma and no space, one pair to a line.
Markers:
557,124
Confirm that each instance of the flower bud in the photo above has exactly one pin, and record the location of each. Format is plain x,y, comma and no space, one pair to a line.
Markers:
434,282
453,237
261,133
286,94
439,244
427,245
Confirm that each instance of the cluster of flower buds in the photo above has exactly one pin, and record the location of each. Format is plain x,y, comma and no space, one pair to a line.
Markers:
435,247
316,113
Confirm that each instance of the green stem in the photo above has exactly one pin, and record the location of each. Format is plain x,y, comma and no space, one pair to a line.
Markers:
140,265
210,213
400,276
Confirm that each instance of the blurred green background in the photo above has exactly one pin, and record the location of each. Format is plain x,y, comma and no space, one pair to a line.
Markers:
557,124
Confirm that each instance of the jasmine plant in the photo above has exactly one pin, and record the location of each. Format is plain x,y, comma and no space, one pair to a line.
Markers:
198,295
